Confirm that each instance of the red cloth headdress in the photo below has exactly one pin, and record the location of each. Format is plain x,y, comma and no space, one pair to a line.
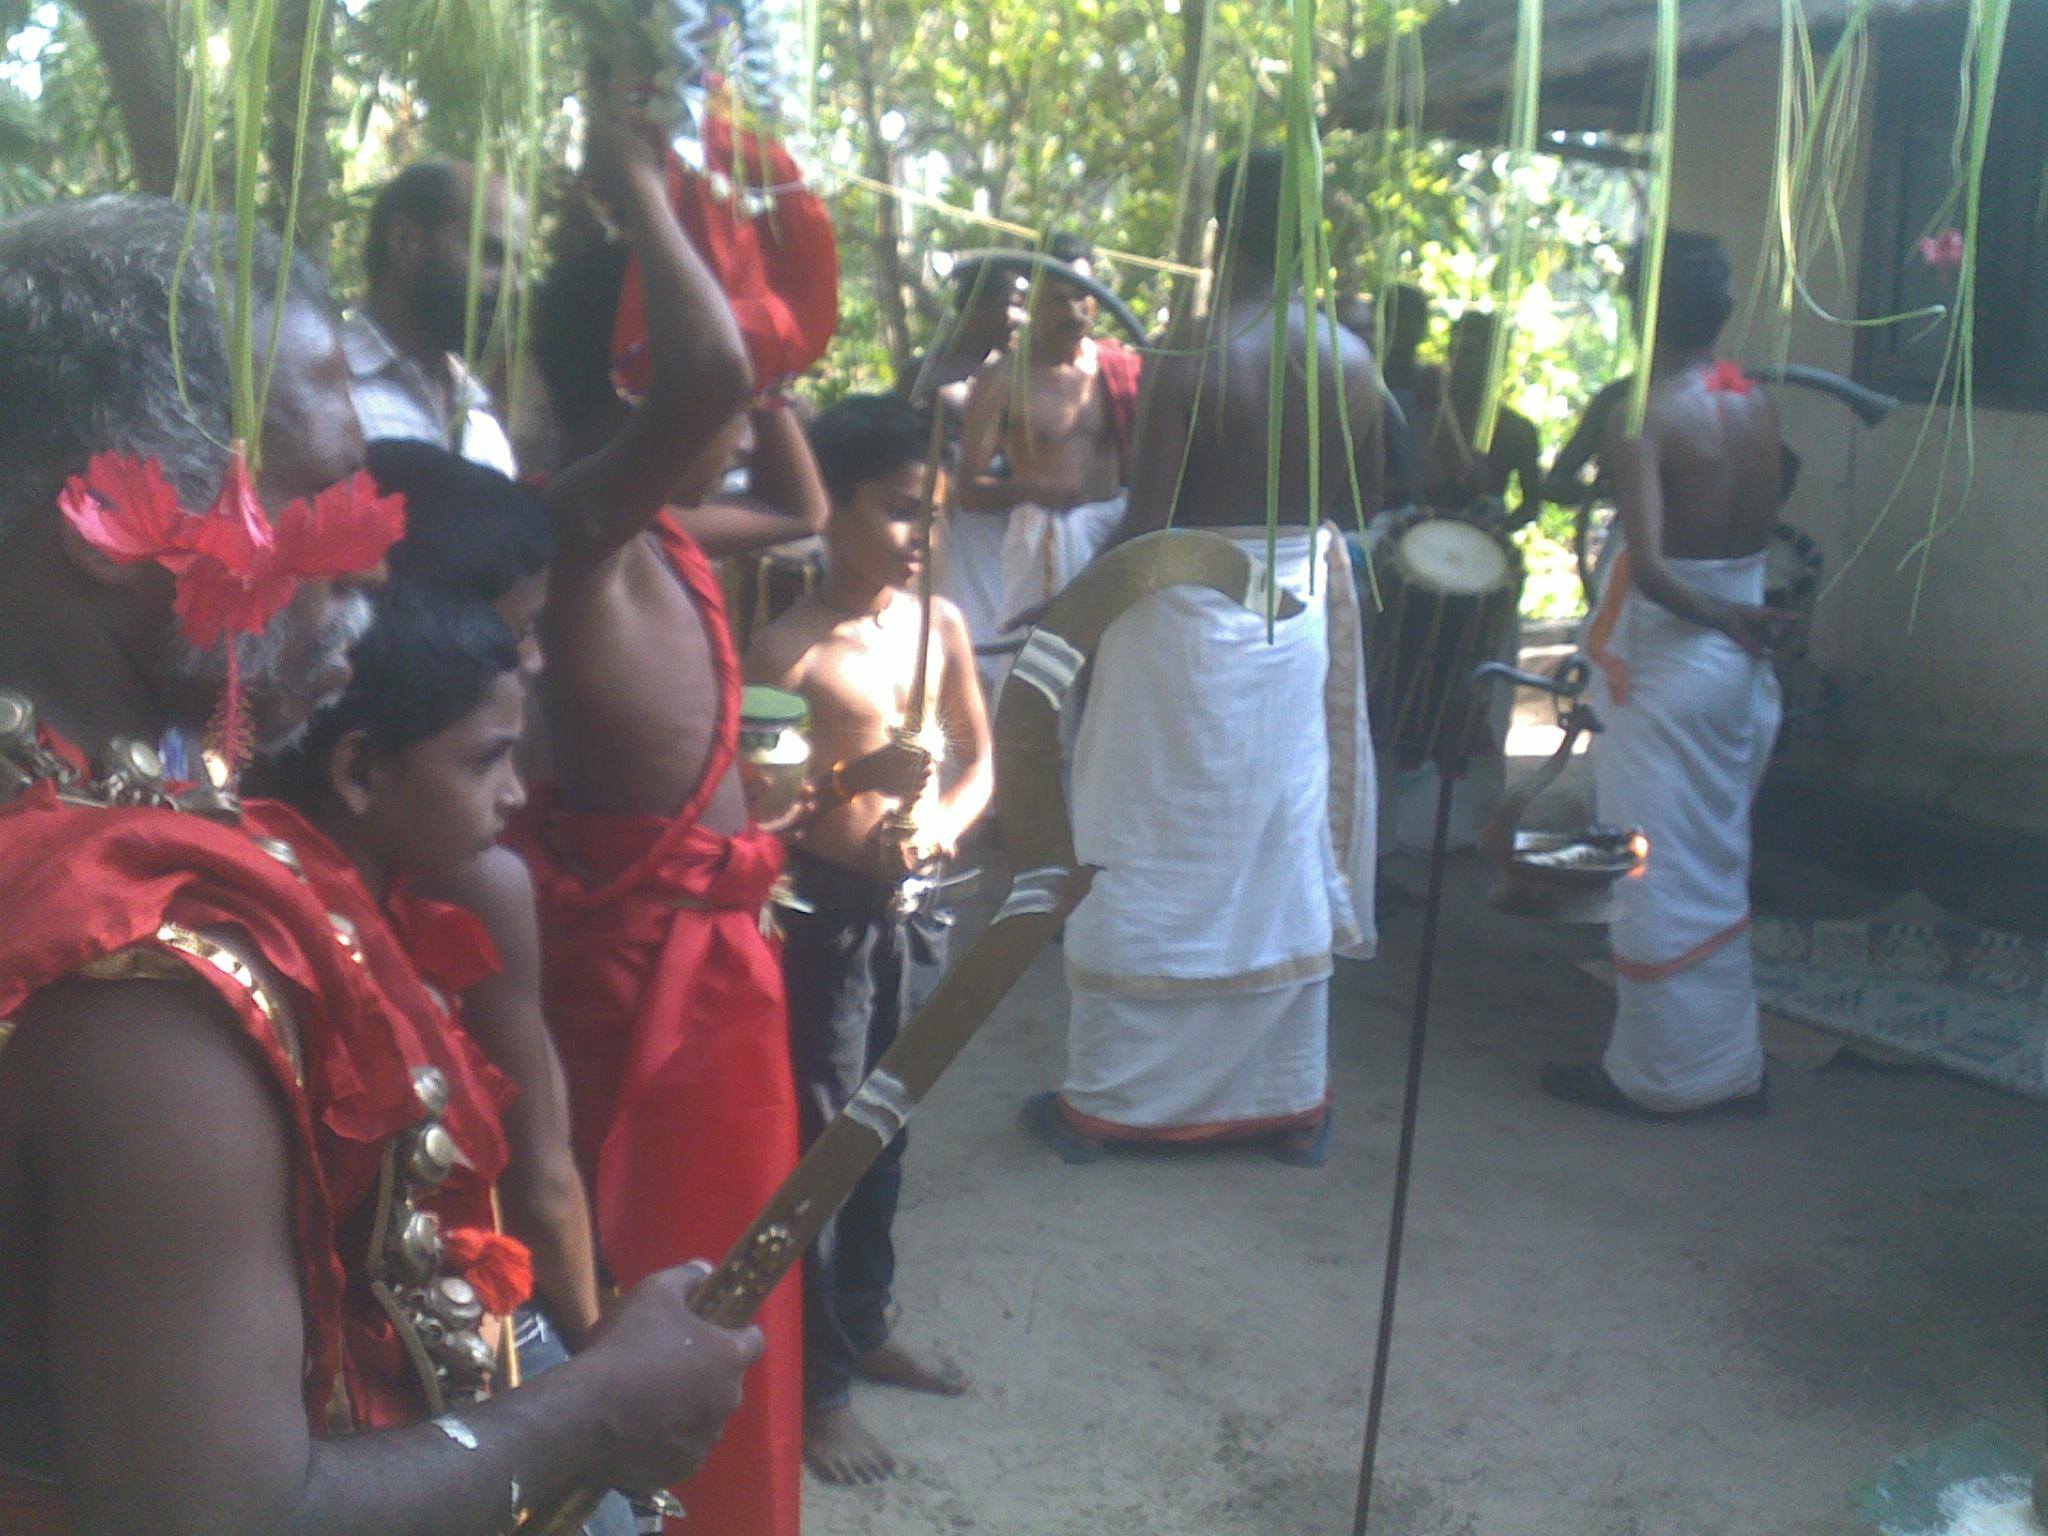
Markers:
779,266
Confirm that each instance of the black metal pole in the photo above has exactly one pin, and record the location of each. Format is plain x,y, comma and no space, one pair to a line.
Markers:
1404,1161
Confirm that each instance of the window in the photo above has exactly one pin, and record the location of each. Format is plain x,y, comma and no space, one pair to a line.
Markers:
1918,61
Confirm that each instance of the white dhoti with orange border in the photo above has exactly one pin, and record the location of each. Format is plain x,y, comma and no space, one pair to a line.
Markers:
1223,786
1690,717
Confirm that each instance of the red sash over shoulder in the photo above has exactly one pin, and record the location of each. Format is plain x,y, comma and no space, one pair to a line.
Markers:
87,884
667,1006
1123,371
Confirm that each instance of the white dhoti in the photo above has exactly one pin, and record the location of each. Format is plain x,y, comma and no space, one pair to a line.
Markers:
970,572
1043,551
1223,785
1690,717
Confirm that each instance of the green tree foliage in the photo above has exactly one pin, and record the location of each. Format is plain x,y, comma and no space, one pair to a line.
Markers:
1045,114
59,132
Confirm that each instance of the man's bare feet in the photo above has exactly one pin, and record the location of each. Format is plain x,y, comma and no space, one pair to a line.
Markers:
840,1449
895,1366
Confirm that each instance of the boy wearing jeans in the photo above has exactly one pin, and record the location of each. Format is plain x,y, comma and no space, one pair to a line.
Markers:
864,959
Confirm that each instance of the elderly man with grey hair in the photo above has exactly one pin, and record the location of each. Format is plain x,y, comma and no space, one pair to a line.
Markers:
201,1329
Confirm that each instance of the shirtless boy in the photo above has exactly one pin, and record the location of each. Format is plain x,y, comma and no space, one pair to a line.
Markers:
864,959
664,997
1061,407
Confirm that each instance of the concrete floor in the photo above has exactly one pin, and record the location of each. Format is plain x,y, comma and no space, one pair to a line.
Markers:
1606,1329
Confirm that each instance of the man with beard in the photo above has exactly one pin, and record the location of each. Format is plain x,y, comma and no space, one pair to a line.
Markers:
404,345
220,1077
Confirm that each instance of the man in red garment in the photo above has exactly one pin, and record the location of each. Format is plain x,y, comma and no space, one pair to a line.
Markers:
664,995
215,1044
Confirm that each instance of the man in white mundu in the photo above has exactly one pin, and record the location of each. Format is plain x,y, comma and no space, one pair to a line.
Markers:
1222,780
1682,642
1058,410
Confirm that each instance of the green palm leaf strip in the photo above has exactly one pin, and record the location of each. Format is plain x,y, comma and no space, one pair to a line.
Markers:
1954,396
1300,215
1663,121
1523,103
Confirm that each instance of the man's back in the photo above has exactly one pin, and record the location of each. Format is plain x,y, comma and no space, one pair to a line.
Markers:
1716,437
1224,396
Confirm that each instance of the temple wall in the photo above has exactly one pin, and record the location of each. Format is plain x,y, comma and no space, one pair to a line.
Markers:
1947,708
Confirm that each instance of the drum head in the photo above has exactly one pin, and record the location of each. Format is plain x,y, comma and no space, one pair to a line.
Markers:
1442,554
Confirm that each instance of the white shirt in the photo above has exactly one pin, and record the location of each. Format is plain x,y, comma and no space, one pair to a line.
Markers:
395,398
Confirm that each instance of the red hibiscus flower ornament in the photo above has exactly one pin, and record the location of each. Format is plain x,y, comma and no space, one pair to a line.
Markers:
498,1268
234,569
1727,378
1944,252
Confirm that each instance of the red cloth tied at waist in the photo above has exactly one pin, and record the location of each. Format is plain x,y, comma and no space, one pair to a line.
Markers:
657,973
667,1007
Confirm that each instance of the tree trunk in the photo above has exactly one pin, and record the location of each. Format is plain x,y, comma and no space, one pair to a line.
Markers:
313,170
134,41
879,164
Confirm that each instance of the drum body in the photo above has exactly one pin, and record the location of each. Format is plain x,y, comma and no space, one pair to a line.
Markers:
760,588
1448,587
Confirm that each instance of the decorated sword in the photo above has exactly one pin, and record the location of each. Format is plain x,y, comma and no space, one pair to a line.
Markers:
900,826
1048,884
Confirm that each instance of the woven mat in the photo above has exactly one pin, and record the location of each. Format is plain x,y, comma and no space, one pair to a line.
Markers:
1909,983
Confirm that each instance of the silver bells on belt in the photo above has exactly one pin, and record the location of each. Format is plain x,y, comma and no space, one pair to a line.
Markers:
129,772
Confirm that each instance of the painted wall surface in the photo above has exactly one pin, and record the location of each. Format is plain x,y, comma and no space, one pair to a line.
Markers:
1949,708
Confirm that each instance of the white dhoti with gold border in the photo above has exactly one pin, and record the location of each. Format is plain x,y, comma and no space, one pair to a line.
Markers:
1223,785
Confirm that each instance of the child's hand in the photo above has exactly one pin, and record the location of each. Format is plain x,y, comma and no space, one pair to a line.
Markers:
622,149
917,852
897,770
790,820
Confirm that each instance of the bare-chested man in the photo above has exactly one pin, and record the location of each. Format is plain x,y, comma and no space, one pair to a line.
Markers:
664,995
189,1141
1456,476
863,959
1230,812
990,305
1060,407
1690,702
1413,390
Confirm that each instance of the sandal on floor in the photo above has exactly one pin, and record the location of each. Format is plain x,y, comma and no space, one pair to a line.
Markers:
1587,1084
1044,1118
